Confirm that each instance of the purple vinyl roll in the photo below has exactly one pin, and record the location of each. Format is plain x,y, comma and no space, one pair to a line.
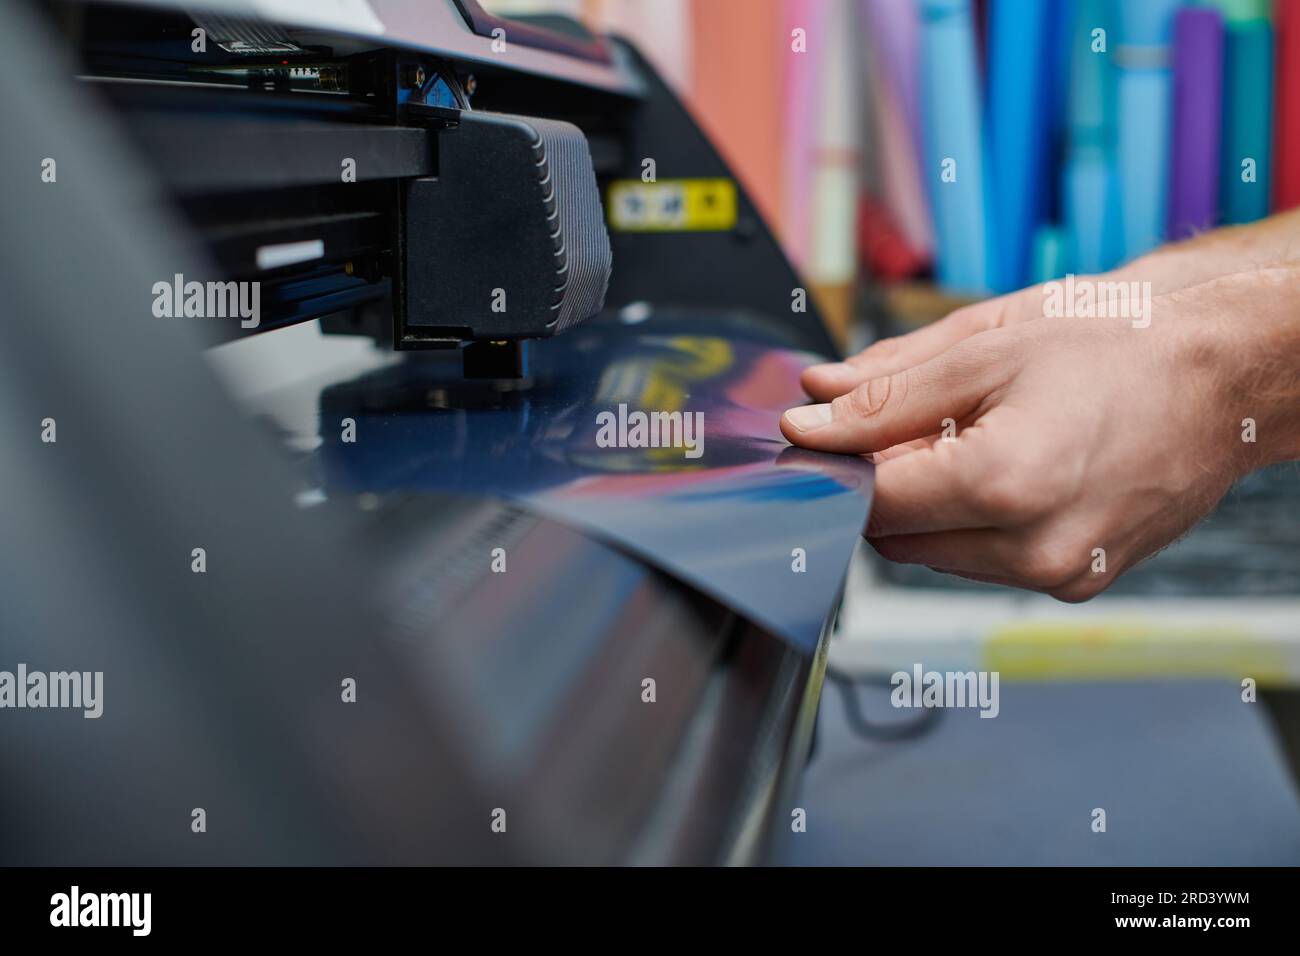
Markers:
1197,121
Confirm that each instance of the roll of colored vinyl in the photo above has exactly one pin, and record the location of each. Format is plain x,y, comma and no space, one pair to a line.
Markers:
1143,90
953,144
1051,254
1194,154
1023,40
1246,163
1090,190
1286,122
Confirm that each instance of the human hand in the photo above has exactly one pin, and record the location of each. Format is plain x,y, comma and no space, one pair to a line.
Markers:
1075,447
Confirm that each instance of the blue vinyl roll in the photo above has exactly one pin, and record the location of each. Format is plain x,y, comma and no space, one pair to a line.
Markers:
1092,211
1051,256
1022,36
952,142
1091,177
1143,91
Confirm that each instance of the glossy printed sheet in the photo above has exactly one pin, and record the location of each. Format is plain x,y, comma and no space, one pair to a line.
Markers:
741,515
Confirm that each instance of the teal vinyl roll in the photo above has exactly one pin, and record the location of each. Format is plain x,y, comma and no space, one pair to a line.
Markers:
1247,121
1091,178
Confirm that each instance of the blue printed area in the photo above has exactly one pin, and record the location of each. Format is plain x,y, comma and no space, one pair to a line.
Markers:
780,487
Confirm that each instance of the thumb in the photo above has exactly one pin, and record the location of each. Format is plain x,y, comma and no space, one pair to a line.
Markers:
909,404
825,382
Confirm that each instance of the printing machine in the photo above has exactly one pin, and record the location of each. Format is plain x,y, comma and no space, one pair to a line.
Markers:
395,169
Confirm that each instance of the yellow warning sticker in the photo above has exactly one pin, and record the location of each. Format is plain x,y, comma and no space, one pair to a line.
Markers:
672,205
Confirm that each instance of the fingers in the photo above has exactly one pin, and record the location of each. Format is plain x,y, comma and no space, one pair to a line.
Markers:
906,448
904,406
991,553
925,490
828,381
970,509
984,551
980,578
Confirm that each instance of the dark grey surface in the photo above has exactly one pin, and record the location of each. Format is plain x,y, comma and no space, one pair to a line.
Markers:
1187,773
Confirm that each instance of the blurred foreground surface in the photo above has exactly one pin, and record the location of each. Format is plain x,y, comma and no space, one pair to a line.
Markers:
1187,773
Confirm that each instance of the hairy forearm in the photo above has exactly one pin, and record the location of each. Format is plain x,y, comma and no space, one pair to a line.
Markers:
1247,279
1251,339
1218,253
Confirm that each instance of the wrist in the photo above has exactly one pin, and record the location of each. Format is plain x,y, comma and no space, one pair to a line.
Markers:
1172,267
1244,339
